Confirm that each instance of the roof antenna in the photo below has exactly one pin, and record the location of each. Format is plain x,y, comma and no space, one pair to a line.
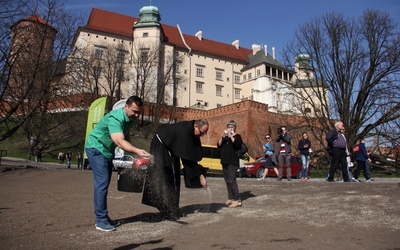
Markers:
151,2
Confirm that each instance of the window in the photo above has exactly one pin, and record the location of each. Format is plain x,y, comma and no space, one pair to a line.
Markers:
178,68
144,55
219,105
258,72
249,76
199,71
145,34
244,78
218,75
237,93
218,90
98,53
121,56
199,87
237,78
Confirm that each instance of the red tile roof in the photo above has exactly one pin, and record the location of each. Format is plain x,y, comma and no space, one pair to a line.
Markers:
122,25
33,19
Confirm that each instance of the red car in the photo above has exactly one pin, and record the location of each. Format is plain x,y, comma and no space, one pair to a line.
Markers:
257,168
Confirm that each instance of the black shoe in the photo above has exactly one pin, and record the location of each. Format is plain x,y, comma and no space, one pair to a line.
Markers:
289,179
330,180
279,179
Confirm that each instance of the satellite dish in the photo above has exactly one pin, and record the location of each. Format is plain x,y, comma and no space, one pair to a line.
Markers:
119,104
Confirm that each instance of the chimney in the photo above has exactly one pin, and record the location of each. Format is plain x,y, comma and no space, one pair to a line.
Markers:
273,53
256,48
199,35
236,44
266,50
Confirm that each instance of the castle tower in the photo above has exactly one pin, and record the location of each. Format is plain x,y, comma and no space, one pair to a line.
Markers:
149,53
31,53
303,67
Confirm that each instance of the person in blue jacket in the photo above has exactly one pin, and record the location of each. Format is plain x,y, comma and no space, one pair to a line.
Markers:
362,161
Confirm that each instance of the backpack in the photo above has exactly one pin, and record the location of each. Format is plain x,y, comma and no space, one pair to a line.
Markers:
356,149
242,151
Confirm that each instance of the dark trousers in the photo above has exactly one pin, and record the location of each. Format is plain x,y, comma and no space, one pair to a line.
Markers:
229,172
361,165
338,160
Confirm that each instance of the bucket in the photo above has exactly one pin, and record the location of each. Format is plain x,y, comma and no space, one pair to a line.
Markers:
131,179
131,175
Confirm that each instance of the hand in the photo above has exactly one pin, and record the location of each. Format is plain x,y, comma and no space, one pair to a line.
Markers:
203,181
143,154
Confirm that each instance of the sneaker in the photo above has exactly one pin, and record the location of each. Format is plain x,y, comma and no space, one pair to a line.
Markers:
114,223
355,180
260,179
104,226
236,204
228,202
370,180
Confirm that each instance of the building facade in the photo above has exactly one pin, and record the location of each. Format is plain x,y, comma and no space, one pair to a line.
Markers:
164,65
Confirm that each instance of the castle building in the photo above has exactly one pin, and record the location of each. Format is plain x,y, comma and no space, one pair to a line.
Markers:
162,64
32,46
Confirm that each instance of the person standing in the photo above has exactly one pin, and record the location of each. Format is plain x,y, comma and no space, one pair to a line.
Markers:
285,152
111,131
170,145
229,143
270,158
337,147
305,147
362,159
68,156
79,158
61,157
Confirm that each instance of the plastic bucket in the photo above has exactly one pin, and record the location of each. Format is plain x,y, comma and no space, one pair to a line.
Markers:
131,179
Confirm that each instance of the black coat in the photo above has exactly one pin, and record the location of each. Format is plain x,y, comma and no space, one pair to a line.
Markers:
330,138
171,144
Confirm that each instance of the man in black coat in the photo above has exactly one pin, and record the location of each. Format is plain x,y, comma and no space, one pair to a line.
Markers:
171,144
337,147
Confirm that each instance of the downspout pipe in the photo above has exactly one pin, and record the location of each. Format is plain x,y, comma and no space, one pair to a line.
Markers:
183,39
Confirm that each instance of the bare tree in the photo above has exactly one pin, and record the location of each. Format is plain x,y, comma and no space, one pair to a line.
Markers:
358,60
32,60
153,77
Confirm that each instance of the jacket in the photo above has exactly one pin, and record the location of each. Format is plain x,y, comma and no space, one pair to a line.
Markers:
285,138
362,153
228,150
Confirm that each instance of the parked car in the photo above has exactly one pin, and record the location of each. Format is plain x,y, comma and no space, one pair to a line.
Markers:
257,168
212,159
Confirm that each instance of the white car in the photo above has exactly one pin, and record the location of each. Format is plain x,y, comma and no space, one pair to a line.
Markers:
125,161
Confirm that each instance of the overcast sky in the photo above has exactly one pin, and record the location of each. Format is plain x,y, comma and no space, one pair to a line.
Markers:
251,22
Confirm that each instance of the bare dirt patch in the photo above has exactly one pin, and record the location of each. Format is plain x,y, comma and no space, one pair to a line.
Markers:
52,209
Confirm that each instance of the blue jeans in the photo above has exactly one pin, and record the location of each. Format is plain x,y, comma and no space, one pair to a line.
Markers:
102,170
305,161
367,170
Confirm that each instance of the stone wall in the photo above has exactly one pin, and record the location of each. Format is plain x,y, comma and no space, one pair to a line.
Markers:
254,122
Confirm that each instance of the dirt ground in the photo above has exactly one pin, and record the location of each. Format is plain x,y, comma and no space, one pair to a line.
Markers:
47,206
